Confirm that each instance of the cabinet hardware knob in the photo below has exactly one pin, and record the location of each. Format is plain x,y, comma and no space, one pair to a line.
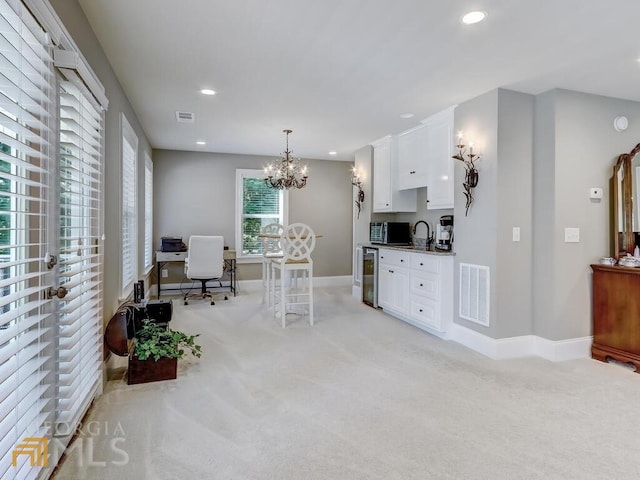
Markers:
401,260
421,264
420,310
421,285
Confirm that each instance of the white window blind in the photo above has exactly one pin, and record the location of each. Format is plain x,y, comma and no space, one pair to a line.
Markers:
129,217
148,213
257,205
79,327
27,95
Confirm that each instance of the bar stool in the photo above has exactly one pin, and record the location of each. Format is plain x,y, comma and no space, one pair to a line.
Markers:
298,241
270,236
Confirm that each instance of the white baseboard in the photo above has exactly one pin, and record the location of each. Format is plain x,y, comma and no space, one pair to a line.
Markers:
522,346
253,285
356,292
560,350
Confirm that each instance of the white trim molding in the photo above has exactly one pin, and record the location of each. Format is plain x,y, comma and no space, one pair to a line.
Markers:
522,346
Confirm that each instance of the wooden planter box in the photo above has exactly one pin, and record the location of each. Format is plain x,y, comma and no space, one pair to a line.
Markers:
144,371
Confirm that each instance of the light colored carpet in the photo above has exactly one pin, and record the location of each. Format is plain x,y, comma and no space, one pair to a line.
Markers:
360,395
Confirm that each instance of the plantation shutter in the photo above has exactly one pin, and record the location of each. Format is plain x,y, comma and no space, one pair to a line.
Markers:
129,218
27,96
79,328
148,213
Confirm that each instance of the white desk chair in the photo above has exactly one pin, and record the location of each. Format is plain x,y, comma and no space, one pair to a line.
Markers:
270,249
204,262
298,241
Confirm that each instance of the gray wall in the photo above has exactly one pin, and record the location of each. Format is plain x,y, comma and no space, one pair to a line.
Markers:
575,149
364,165
194,193
76,23
540,157
513,279
475,234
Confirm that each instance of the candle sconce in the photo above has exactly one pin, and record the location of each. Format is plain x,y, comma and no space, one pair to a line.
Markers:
471,172
356,182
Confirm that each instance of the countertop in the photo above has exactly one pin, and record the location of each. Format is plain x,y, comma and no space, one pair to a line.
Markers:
409,248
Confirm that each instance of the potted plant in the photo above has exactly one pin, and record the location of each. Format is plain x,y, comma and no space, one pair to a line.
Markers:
155,353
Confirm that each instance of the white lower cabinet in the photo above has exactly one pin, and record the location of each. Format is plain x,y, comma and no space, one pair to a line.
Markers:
417,288
393,280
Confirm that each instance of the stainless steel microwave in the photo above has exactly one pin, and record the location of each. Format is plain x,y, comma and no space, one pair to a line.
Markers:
390,233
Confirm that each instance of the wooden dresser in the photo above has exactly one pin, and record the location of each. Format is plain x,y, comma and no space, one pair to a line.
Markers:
616,314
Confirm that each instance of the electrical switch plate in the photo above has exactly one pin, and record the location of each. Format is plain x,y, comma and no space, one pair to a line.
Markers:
516,234
572,235
165,273
595,193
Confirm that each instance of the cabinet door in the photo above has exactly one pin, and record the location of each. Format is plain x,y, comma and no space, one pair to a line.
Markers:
385,286
382,177
393,288
440,140
412,165
400,289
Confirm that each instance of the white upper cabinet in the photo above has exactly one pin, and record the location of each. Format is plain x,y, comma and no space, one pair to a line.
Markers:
439,164
412,158
424,159
386,195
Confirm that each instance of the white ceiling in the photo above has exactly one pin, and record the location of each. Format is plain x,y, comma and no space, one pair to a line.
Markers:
340,72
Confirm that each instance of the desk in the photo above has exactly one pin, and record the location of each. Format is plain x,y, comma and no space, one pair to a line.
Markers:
229,256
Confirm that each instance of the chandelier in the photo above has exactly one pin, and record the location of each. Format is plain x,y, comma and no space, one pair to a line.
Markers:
287,173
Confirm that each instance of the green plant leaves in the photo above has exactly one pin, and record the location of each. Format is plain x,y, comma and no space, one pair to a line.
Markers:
154,341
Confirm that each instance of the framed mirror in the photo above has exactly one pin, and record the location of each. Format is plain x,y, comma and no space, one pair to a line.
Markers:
625,219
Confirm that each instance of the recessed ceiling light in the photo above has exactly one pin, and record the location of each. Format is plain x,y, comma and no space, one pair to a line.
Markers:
333,153
207,91
201,143
473,17
406,115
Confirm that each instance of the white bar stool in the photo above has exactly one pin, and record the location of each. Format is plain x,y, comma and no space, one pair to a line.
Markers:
270,236
297,241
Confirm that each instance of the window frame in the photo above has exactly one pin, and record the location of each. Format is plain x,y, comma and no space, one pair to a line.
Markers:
241,174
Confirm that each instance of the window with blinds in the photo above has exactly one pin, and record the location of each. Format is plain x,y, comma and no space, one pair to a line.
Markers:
129,217
258,205
79,339
27,96
148,213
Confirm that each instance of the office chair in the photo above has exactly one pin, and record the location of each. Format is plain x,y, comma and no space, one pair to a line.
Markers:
204,262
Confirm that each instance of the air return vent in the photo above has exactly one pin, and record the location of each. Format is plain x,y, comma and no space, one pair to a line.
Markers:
185,117
474,293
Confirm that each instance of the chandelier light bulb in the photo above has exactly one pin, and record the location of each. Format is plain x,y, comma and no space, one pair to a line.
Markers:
288,172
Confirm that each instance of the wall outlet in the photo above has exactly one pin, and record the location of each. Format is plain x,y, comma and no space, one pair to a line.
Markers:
572,235
165,273
595,193
516,234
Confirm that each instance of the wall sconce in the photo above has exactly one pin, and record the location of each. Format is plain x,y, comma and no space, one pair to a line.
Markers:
356,182
471,173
